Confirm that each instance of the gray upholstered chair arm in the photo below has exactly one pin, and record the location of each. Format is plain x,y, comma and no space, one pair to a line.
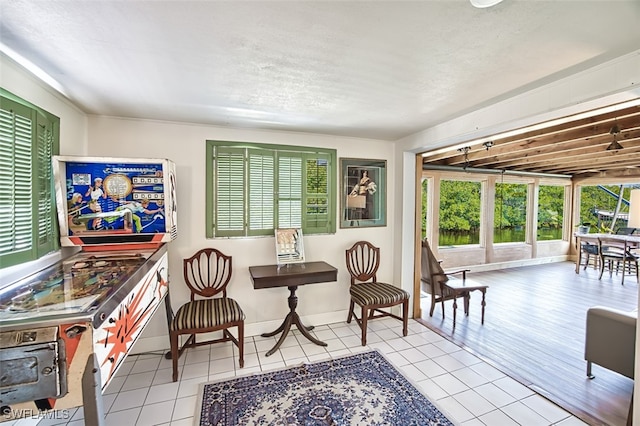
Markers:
611,339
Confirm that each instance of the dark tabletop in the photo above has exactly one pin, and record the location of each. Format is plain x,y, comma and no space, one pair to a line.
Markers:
292,274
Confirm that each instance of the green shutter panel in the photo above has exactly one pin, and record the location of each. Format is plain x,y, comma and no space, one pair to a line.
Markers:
16,234
229,200
316,217
46,233
290,182
261,192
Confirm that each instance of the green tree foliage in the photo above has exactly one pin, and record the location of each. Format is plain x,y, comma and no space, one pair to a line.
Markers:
593,198
550,212
511,205
425,188
318,185
459,205
550,206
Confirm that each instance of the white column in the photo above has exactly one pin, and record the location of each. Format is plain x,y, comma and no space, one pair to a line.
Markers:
634,209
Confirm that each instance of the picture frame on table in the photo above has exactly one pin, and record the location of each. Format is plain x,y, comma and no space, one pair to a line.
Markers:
289,246
363,193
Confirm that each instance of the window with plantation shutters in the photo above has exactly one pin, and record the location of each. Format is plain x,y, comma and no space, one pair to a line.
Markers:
261,187
254,188
289,194
229,196
28,139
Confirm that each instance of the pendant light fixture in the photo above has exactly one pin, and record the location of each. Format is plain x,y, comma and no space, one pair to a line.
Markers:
613,146
465,150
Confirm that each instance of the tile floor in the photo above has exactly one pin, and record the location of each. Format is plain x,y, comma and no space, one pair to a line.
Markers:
470,391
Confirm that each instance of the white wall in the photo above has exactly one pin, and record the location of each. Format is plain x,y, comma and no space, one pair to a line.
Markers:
184,144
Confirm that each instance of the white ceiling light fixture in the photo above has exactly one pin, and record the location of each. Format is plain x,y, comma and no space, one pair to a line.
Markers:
482,4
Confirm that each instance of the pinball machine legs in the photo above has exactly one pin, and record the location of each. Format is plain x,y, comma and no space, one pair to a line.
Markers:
169,311
92,393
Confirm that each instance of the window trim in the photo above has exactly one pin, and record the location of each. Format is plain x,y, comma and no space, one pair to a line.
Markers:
302,151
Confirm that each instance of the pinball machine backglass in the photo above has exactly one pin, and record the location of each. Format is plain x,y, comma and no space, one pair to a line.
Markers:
115,200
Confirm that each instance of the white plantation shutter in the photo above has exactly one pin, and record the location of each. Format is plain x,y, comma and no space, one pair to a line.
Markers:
289,195
28,139
255,188
261,190
230,191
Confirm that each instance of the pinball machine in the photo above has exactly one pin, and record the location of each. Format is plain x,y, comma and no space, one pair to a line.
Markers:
66,329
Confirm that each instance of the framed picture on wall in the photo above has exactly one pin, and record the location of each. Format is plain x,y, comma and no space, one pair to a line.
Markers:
363,193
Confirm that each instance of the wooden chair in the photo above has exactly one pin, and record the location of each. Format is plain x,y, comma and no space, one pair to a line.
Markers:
431,273
612,250
207,274
443,286
363,260
625,231
589,250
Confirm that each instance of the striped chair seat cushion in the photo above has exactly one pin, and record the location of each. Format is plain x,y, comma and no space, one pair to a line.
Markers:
207,313
377,294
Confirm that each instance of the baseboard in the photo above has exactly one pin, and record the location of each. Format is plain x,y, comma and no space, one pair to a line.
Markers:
518,263
161,343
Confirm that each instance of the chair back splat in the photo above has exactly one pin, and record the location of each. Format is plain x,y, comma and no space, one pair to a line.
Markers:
363,262
207,273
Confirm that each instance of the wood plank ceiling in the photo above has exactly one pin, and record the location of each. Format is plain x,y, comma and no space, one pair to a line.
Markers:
577,148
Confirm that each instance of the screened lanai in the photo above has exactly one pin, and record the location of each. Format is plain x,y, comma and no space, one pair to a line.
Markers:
519,196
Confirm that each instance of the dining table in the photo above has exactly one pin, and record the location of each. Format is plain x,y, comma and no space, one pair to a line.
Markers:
624,242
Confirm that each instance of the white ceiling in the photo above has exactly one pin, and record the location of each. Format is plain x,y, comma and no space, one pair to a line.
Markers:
374,69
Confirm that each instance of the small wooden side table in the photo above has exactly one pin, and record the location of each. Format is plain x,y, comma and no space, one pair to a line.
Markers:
292,275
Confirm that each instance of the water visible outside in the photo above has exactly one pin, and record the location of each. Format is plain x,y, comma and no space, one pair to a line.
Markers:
458,238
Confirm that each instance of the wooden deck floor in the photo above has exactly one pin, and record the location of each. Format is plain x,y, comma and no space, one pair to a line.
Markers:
534,331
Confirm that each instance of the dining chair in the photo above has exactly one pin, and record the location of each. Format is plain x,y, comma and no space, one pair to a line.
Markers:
626,231
363,261
207,274
613,252
589,250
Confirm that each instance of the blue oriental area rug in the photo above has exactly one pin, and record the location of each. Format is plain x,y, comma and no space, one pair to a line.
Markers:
361,389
